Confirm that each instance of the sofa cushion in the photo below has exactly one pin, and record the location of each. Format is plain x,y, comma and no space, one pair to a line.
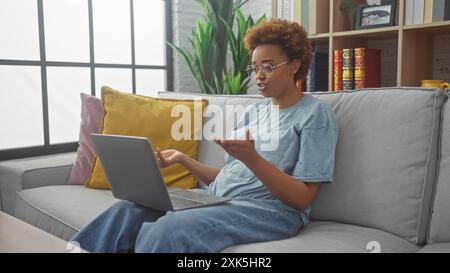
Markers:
91,121
386,160
440,219
209,152
435,248
332,237
155,119
62,210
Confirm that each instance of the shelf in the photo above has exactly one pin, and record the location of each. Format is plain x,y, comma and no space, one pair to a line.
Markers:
409,53
435,27
373,32
319,37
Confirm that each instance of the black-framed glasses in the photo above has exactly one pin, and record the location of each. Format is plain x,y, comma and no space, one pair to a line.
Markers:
265,68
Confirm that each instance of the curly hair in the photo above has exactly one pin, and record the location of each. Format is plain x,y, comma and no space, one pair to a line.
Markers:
290,36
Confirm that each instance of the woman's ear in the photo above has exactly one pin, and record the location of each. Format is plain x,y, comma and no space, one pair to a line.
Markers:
296,63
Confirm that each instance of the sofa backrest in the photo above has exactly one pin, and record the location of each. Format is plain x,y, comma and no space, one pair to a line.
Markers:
439,230
209,152
386,158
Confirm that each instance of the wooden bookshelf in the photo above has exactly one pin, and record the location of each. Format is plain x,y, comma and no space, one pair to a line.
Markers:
412,49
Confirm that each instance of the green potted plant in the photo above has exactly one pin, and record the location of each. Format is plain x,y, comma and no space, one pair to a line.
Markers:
210,40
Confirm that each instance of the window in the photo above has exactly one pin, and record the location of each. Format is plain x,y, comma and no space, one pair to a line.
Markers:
53,50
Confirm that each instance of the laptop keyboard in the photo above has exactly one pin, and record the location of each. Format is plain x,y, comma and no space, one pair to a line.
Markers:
195,196
179,203
182,198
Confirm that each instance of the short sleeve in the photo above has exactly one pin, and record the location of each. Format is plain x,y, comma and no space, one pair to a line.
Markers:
317,149
228,157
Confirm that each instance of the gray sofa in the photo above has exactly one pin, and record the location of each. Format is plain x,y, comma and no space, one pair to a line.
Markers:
391,191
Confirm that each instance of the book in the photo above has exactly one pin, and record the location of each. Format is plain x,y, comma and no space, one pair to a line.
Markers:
312,27
419,7
305,15
441,10
409,12
428,12
317,79
348,61
438,10
322,72
337,70
298,11
367,68
447,11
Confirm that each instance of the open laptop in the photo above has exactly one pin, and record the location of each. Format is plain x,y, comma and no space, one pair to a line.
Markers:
134,175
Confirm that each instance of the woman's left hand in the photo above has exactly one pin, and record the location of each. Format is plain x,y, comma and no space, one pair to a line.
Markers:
243,150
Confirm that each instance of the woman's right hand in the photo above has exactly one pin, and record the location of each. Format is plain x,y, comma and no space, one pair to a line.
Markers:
168,157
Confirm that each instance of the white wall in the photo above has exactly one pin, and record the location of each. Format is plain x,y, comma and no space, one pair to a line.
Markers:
184,14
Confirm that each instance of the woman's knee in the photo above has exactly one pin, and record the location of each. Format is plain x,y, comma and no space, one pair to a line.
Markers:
124,204
131,213
120,207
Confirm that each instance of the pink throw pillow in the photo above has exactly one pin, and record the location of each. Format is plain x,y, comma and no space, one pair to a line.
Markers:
91,121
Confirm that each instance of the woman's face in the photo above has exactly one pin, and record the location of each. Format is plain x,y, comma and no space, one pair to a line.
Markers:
276,83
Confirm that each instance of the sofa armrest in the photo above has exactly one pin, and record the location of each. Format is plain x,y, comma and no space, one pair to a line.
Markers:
32,172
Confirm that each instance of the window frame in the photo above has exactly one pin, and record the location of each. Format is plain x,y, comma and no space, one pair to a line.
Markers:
47,148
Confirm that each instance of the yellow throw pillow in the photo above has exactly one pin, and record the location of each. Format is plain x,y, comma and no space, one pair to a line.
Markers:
135,115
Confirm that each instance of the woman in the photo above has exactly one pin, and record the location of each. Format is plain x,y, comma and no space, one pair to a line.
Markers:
271,189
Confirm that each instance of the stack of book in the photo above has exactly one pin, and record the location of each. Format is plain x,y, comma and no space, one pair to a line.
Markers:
356,68
426,11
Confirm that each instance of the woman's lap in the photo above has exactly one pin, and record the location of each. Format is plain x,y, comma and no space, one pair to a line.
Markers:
207,229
